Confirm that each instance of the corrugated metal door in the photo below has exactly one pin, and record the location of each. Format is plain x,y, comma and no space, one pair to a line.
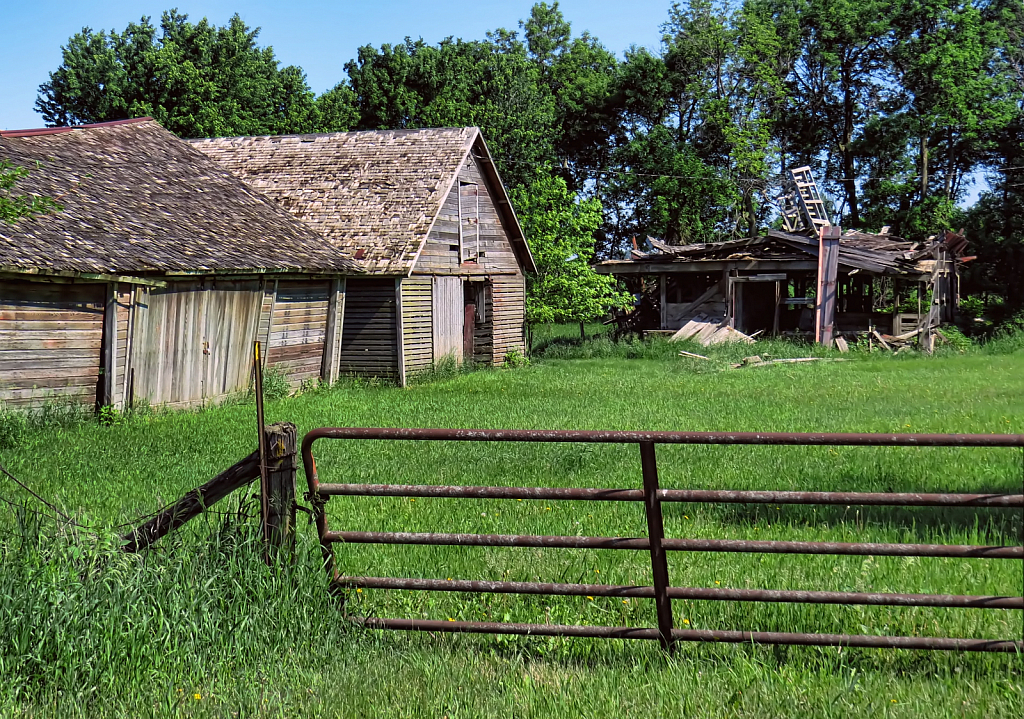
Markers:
449,317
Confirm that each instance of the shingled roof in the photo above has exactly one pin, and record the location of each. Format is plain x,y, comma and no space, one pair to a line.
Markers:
136,199
373,194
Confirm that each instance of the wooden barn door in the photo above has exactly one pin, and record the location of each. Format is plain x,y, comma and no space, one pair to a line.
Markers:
231,310
193,341
449,310
369,336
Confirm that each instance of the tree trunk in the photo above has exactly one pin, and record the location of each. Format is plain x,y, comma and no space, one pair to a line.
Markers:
924,167
849,181
748,204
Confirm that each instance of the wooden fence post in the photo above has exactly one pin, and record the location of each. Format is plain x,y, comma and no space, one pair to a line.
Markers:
281,469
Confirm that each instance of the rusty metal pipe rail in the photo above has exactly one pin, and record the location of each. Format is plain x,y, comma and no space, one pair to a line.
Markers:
851,439
893,499
700,635
652,496
677,545
695,593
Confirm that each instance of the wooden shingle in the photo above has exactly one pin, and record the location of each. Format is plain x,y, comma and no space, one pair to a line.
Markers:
138,200
371,194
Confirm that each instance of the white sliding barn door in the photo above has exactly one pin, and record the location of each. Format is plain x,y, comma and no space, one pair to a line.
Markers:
448,316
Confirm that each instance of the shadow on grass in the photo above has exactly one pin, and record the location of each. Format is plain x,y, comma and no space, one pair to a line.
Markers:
590,654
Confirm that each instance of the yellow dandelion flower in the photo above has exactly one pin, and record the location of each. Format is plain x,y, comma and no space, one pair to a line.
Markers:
197,696
717,582
450,619
359,591
686,621
625,601
590,598
597,571
519,500
685,517
547,509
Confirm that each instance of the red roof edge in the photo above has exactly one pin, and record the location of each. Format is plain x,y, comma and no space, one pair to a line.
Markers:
58,130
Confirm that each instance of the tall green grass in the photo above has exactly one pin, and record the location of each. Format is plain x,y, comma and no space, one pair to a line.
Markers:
90,632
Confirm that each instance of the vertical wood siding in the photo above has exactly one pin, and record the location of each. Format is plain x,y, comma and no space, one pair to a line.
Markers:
417,326
440,254
231,312
369,338
50,337
193,342
124,310
448,303
298,329
266,315
509,296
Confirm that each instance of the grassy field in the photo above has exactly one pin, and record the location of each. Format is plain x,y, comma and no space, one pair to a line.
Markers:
199,627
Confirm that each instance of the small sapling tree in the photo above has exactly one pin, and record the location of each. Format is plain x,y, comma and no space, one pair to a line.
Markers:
560,229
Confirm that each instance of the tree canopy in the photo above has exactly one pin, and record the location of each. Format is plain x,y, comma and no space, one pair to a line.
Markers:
903,109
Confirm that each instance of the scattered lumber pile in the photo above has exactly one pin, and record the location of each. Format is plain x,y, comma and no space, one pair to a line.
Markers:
709,331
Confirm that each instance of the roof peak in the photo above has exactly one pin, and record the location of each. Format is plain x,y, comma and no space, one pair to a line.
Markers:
404,131
57,130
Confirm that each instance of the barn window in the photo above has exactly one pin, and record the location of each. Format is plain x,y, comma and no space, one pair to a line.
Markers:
469,221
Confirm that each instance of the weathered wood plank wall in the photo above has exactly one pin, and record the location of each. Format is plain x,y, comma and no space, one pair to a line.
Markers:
417,325
509,300
440,253
298,329
369,338
50,338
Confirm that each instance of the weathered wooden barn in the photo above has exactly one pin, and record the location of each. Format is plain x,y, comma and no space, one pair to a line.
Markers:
157,275
424,215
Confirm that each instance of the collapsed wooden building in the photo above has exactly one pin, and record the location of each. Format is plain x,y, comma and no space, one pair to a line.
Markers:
808,280
162,267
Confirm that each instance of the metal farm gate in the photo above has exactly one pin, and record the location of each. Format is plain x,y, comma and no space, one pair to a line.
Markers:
657,544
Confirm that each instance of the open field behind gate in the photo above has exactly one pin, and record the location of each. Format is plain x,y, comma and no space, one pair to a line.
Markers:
204,618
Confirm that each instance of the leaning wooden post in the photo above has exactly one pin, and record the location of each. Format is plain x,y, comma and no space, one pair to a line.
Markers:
280,442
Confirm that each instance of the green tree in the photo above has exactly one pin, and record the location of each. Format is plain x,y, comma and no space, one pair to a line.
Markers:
841,74
196,79
945,52
560,230
491,84
14,206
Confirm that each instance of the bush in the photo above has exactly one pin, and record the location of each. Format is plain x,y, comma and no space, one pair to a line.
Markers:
514,358
59,414
275,384
13,427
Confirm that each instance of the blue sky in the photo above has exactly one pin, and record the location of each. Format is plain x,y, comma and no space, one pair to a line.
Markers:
318,36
